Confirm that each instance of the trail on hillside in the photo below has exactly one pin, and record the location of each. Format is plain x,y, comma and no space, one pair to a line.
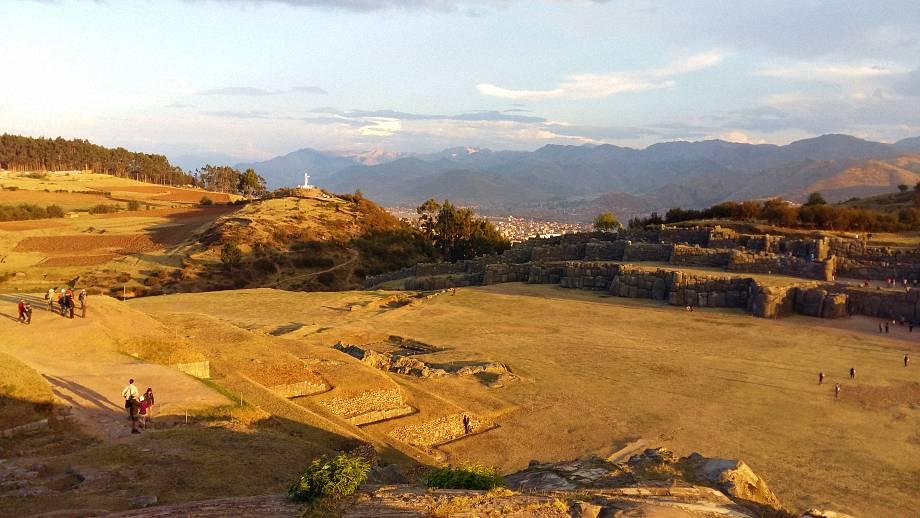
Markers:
305,276
80,360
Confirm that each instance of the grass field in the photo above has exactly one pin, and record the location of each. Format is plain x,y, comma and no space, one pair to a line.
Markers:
598,372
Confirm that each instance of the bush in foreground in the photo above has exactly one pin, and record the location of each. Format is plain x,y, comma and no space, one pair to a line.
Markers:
333,478
466,476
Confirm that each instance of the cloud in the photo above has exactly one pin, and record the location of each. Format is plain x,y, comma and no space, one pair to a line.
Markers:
231,114
472,7
594,86
179,106
909,84
248,91
829,71
485,115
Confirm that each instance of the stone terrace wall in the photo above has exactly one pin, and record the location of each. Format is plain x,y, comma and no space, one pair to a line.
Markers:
605,250
884,303
695,256
679,288
546,274
648,252
752,262
588,275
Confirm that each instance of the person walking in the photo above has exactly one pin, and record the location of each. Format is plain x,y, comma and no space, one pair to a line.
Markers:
906,359
852,373
130,393
837,391
70,303
467,426
879,327
886,326
820,378
50,298
28,313
22,310
82,298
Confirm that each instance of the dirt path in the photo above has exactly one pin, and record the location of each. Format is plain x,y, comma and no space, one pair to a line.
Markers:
80,360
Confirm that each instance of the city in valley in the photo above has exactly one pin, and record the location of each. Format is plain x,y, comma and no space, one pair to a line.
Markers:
459,258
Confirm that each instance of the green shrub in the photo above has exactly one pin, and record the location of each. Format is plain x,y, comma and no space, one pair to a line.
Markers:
206,201
334,478
104,209
25,211
231,255
466,476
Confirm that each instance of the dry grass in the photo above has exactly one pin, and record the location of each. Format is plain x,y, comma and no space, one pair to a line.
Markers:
161,350
24,395
599,371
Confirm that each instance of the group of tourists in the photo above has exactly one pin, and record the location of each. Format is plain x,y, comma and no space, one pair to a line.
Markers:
66,304
853,376
139,406
66,301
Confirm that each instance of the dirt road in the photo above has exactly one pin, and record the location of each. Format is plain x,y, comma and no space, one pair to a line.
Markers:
80,360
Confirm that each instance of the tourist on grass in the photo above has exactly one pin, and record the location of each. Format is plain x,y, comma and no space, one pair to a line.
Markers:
886,326
820,378
852,373
22,310
130,392
836,390
880,327
28,311
906,360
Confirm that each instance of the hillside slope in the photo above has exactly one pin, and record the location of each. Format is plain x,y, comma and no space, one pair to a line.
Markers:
306,241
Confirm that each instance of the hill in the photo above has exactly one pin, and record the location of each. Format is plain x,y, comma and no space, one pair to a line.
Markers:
306,240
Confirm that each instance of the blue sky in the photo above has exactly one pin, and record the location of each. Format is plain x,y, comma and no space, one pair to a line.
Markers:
254,79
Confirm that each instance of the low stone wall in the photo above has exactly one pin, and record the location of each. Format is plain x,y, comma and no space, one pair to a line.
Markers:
301,389
654,252
442,282
696,256
498,273
34,426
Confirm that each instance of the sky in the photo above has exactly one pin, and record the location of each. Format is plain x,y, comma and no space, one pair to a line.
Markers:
253,79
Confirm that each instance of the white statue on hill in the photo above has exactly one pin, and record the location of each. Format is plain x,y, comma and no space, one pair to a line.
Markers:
306,181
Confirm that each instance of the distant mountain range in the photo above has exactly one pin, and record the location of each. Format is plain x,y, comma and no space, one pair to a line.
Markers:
288,170
576,182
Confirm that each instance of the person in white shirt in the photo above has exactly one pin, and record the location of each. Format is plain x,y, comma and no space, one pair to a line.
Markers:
130,392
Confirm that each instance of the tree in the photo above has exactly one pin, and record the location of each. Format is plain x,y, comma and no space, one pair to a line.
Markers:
231,255
903,187
606,222
251,184
457,233
815,198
